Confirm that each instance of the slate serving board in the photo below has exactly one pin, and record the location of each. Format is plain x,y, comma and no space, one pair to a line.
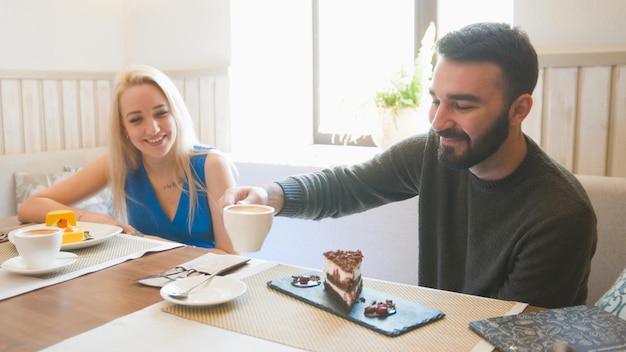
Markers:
409,315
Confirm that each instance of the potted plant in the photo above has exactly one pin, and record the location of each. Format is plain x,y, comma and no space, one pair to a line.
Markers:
399,104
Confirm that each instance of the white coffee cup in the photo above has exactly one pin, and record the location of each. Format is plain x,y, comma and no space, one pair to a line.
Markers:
247,225
38,247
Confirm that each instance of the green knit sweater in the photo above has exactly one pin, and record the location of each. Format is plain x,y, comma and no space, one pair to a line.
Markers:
529,237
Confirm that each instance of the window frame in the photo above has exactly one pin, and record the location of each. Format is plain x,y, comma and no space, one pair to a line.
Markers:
425,12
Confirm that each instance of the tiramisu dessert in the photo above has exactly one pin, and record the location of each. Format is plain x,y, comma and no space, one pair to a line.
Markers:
342,276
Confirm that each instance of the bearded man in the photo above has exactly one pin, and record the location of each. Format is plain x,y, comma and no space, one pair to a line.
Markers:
498,217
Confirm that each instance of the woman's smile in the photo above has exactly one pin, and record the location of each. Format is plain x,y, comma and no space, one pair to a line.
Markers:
155,140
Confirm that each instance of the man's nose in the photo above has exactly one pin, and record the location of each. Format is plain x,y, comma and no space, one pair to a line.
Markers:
440,117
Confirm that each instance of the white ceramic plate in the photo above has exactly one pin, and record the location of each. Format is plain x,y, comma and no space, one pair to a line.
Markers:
219,290
99,232
18,265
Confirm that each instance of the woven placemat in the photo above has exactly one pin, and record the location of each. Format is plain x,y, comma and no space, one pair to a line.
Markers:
268,314
113,248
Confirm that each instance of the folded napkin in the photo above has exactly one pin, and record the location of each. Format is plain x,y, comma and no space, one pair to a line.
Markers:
205,264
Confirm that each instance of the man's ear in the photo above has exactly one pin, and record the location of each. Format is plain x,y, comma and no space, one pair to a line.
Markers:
520,109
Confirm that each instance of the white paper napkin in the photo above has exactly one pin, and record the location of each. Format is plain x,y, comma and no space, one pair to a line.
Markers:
205,264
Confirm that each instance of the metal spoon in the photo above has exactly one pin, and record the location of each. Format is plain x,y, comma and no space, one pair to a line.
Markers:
185,294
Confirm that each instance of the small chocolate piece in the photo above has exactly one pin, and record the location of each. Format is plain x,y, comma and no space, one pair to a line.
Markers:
305,280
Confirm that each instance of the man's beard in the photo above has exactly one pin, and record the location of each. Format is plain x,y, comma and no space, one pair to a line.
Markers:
477,151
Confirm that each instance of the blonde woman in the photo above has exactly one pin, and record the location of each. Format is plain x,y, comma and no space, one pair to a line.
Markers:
164,183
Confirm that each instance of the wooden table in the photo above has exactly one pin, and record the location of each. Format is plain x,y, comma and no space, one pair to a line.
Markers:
49,315
44,317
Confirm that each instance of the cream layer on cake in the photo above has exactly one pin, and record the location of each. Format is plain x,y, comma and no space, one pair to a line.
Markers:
339,275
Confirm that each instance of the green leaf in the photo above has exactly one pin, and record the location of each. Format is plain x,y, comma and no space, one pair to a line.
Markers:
404,91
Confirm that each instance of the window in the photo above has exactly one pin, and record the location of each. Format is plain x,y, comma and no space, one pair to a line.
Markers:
358,46
303,71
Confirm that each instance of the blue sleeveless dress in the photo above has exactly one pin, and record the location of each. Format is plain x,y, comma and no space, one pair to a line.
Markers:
146,215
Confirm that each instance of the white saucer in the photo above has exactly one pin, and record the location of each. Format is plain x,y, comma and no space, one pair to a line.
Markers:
219,290
18,266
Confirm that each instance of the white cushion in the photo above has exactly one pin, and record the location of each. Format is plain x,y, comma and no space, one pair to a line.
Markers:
27,184
614,300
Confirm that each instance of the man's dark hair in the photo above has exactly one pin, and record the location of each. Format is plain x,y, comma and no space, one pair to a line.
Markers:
504,45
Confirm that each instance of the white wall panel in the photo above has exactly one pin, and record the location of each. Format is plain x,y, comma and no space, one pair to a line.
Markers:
69,129
70,110
11,116
617,139
593,120
52,97
559,114
32,116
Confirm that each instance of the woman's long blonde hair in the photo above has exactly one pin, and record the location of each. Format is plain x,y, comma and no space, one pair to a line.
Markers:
124,157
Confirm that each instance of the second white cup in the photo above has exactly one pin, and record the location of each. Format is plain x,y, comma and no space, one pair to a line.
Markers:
38,247
247,225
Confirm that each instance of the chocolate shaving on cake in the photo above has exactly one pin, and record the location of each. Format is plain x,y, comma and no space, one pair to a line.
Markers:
346,260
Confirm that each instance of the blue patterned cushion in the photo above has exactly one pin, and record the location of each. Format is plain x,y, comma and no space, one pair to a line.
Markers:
614,300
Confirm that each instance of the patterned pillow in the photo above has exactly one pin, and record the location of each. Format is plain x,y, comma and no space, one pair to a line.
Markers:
614,300
27,184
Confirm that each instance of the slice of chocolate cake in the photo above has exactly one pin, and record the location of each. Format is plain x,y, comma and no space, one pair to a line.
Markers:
342,276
